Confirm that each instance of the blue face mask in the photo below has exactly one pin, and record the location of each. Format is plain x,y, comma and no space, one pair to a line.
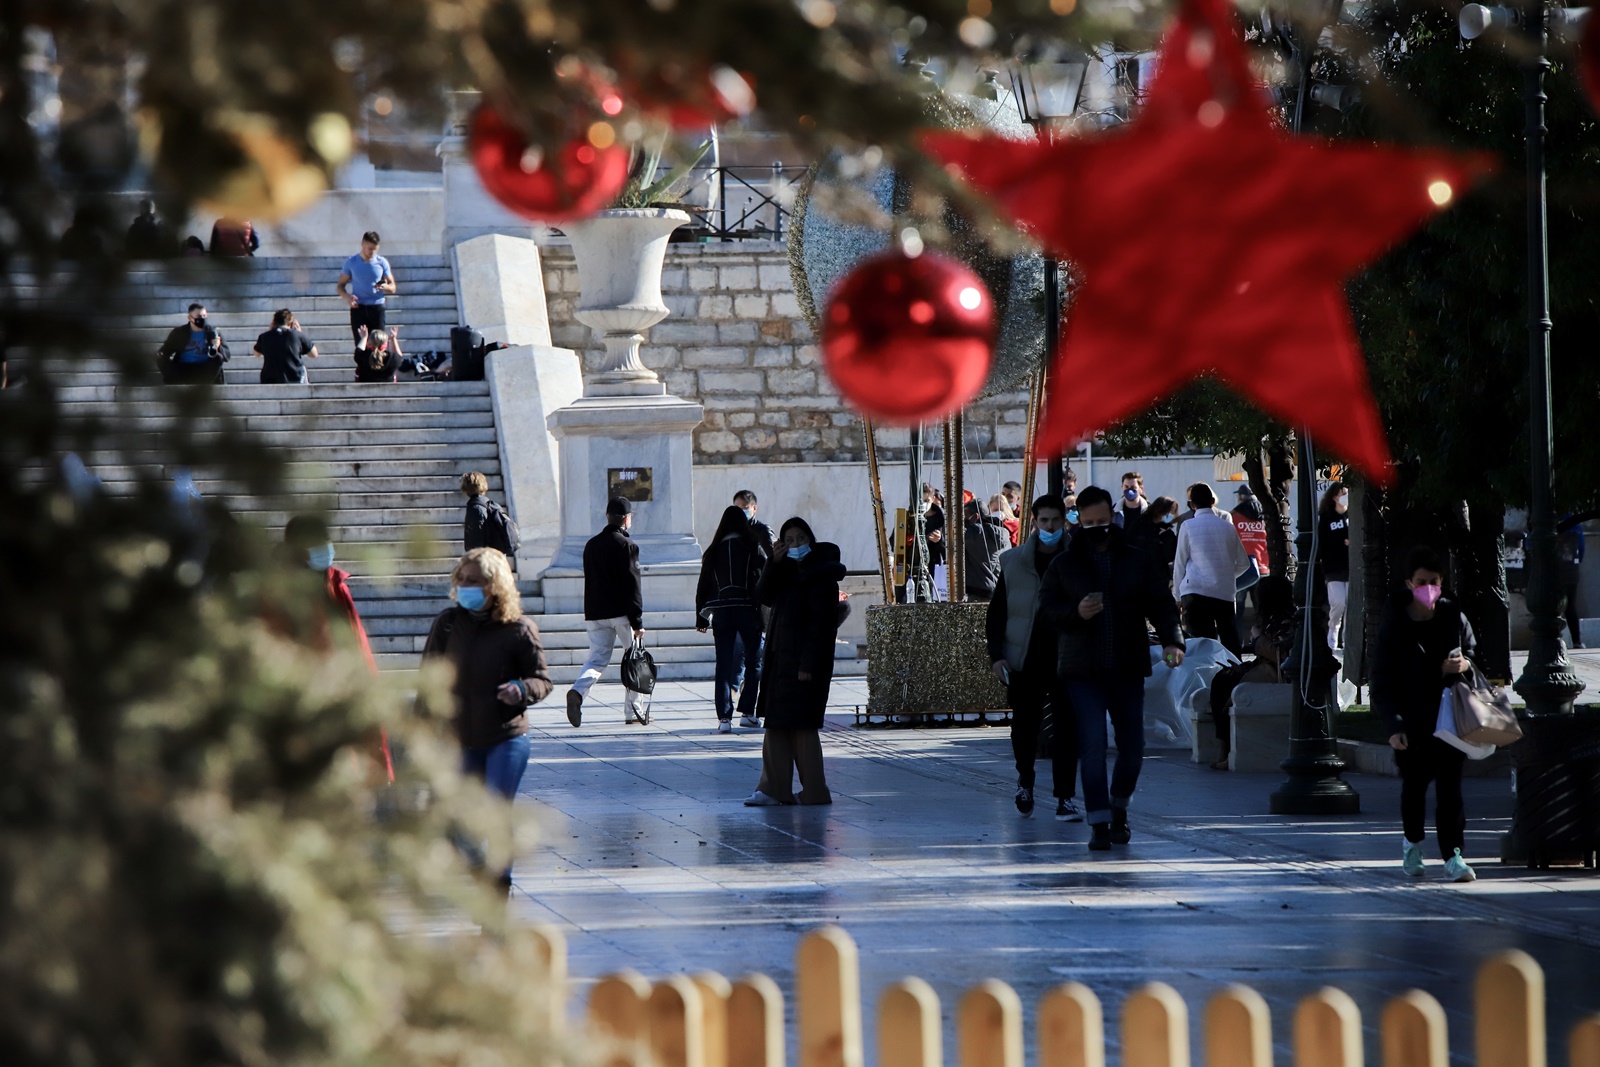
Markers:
750,513
1050,537
800,553
1072,516
1168,518
321,558
470,597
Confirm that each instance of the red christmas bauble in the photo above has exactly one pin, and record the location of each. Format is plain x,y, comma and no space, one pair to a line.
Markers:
909,339
1589,59
578,180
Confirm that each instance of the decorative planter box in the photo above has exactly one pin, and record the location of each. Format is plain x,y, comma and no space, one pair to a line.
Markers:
929,659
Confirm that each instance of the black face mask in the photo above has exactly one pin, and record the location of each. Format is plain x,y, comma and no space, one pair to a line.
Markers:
1096,535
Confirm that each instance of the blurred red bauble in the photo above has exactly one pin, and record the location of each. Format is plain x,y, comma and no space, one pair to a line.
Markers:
578,180
688,99
1589,60
909,339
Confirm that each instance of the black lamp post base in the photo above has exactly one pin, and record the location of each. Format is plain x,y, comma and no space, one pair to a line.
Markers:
1557,818
1315,788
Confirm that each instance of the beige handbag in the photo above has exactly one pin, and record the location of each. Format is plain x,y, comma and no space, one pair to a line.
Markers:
1483,714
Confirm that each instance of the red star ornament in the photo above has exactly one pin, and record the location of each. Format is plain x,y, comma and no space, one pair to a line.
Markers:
1209,241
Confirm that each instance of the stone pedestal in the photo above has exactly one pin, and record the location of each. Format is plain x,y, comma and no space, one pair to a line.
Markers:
1259,729
469,210
527,384
500,290
654,434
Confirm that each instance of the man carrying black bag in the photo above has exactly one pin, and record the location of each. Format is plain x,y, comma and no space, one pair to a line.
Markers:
1022,648
613,608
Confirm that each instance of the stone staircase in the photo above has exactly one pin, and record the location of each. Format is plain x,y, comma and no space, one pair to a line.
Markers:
382,461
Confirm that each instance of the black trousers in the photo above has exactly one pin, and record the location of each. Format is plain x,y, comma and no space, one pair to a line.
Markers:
1428,759
1208,617
368,315
194,373
1570,594
1030,694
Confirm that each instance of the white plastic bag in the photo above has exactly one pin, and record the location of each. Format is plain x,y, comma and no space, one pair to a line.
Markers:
1445,730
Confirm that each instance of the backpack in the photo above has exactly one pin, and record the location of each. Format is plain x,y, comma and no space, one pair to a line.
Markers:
500,529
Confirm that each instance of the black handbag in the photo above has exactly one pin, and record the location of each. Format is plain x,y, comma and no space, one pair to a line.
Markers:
638,669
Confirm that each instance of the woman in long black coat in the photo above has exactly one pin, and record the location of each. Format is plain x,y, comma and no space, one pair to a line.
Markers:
801,586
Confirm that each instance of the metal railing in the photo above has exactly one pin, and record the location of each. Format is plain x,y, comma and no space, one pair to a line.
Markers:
741,203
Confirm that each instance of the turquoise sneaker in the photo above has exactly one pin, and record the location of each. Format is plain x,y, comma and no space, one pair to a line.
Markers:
1457,869
1411,863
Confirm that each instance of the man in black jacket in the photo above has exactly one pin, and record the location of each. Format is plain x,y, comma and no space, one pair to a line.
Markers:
986,539
193,352
1098,595
613,607
477,531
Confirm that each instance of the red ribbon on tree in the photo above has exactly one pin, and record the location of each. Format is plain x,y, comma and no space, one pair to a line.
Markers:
1209,241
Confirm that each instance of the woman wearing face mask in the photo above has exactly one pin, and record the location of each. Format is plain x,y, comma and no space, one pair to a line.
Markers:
725,602
500,673
1159,531
801,586
1333,552
378,355
1071,500
1424,646
1000,508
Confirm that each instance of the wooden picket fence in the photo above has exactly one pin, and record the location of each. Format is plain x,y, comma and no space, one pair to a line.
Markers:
704,1020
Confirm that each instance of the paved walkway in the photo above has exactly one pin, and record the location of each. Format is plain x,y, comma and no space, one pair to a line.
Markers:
649,860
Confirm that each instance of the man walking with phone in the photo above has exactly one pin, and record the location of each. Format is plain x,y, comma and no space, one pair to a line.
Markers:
1022,649
370,282
1098,596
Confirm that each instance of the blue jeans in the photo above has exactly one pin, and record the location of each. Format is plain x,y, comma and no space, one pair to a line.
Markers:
738,637
500,768
1123,699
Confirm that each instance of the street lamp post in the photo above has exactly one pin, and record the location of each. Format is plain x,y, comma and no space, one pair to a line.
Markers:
1044,92
1314,785
1558,803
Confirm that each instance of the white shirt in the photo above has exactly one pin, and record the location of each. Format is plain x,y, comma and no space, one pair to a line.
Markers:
1210,556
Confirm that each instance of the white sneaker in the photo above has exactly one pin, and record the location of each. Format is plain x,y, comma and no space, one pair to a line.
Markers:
724,726
1411,860
758,799
1458,871
749,722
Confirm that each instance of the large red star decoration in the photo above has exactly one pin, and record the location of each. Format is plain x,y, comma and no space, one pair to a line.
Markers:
1210,241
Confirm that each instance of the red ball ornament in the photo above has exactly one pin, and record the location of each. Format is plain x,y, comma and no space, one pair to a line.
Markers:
909,339
578,180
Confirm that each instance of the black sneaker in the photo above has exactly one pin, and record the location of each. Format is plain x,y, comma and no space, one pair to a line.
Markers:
574,707
1067,811
1099,837
1120,834
1024,799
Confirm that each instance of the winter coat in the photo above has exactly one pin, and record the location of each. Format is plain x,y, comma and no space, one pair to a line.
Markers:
1136,591
612,585
487,654
1011,625
986,540
1407,676
804,598
178,341
729,573
339,594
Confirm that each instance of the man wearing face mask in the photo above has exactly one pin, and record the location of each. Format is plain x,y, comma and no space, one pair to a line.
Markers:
1098,595
1022,649
1133,503
746,499
1424,646
613,607
1206,568
193,352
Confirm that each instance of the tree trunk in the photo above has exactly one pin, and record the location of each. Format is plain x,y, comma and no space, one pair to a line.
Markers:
1276,494
1481,583
1376,583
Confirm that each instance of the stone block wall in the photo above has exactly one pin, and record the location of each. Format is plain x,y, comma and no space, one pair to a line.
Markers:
737,343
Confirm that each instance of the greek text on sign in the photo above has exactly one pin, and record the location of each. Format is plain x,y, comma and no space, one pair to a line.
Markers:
634,484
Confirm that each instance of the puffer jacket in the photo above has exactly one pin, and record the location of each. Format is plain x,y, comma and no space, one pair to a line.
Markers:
729,573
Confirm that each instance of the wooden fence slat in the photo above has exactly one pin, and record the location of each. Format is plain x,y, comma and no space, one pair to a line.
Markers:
1583,1048
714,993
550,948
617,1012
828,978
1327,1030
1509,1011
677,1023
1072,1030
908,1026
1238,1031
1414,1032
755,1023
989,1028
1155,1028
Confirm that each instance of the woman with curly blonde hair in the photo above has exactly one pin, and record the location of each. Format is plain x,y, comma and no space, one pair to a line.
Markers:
500,671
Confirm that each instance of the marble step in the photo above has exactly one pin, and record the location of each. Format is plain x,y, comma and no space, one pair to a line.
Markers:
316,399
324,426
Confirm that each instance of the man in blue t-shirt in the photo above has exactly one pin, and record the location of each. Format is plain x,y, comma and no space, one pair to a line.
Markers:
370,281
193,352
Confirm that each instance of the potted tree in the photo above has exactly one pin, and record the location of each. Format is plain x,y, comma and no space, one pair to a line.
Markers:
620,253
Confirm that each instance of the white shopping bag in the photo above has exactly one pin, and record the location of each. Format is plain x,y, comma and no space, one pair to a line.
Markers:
1445,730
